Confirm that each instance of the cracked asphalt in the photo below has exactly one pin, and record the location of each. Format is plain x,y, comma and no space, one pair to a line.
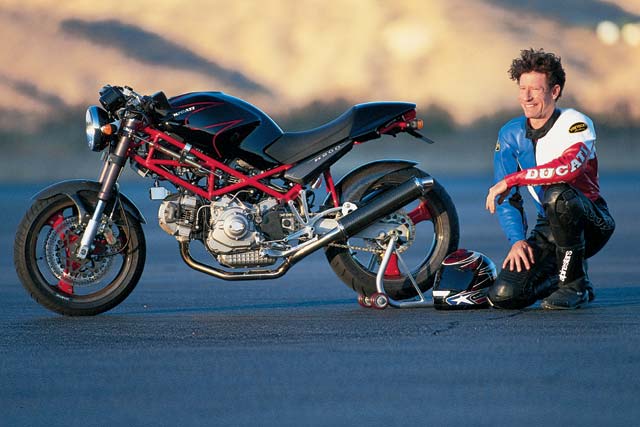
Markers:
187,349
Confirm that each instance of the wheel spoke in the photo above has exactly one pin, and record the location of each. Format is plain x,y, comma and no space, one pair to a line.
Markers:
392,269
420,213
373,260
60,255
55,221
65,285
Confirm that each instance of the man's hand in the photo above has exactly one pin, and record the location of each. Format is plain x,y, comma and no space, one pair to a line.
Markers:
520,255
500,190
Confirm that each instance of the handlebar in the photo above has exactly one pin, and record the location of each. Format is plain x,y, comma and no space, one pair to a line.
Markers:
133,98
116,98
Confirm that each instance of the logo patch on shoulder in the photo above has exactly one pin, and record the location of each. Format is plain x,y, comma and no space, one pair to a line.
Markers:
498,146
578,127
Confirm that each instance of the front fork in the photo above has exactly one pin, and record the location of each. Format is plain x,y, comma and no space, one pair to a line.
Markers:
108,178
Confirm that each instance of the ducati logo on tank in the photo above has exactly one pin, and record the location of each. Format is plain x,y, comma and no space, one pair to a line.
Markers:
186,110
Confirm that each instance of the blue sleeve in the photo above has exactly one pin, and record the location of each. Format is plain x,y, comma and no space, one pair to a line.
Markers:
511,212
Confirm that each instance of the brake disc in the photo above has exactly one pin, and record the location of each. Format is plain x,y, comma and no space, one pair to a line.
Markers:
60,248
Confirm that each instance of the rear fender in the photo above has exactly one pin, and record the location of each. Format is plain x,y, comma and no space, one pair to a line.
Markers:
361,178
369,117
74,188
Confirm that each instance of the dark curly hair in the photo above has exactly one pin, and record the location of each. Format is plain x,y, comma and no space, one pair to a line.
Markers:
541,62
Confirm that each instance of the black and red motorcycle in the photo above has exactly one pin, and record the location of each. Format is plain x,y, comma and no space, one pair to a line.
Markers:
246,191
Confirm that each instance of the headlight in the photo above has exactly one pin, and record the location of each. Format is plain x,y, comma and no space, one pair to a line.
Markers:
96,118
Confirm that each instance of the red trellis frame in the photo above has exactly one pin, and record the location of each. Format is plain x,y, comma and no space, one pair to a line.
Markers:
418,214
157,165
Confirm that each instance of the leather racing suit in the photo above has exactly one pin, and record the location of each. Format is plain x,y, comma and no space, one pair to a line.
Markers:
558,165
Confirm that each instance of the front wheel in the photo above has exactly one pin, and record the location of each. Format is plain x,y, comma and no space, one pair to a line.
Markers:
45,258
429,228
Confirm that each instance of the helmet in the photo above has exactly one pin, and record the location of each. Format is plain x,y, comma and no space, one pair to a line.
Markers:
463,281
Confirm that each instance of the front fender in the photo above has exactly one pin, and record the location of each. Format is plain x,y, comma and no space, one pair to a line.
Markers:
364,175
75,187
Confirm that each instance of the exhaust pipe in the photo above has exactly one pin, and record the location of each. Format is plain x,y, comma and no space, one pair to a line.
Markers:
383,204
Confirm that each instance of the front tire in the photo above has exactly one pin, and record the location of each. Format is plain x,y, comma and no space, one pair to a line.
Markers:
44,256
436,235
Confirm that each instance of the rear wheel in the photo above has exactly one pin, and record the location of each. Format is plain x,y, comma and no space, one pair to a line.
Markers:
44,254
428,228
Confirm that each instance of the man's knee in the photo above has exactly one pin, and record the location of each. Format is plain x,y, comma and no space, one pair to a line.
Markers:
510,291
562,203
566,213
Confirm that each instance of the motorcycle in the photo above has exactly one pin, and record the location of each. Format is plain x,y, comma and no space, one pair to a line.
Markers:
246,192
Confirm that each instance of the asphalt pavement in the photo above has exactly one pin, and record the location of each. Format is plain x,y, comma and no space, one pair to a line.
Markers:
188,349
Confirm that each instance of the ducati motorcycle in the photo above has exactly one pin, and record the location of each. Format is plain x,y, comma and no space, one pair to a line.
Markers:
243,203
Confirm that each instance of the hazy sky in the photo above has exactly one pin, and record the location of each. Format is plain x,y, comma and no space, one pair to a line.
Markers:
285,54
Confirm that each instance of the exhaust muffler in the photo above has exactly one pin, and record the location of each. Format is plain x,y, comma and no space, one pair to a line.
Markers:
384,204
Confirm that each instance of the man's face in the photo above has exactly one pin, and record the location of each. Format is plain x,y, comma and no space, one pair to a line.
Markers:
536,98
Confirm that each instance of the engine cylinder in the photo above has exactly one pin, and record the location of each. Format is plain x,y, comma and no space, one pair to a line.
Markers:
231,227
177,214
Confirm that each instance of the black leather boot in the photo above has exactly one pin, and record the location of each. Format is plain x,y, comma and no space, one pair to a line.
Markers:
546,288
574,289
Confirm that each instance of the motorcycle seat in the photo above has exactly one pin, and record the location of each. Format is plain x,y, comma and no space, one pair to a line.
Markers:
292,147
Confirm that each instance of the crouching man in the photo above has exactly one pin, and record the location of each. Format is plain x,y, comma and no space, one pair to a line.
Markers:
552,152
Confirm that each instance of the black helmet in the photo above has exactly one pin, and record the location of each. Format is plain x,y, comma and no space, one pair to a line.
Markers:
463,281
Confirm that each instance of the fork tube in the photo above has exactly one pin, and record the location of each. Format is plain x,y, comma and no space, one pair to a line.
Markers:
91,230
116,161
108,178
105,166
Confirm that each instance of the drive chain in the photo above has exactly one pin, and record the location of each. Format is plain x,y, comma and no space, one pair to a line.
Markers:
357,248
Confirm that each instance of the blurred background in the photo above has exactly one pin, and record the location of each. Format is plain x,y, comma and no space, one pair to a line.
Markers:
306,61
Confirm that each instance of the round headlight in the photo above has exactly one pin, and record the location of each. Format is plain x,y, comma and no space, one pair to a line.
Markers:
96,117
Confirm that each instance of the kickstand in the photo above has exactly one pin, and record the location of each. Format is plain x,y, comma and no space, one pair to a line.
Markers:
380,299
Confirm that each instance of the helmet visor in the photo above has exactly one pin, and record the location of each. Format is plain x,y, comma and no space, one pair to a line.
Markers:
453,279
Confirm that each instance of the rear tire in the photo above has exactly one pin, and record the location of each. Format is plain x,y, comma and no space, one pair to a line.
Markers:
44,256
437,235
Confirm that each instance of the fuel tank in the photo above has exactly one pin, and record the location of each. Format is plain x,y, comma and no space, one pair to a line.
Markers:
223,127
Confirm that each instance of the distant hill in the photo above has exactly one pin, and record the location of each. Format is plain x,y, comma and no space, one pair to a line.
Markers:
286,54
304,61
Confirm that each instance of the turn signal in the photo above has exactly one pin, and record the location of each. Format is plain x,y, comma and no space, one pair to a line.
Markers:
108,129
417,124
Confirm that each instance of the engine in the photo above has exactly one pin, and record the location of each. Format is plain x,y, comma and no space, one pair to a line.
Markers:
234,235
233,231
232,227
177,216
